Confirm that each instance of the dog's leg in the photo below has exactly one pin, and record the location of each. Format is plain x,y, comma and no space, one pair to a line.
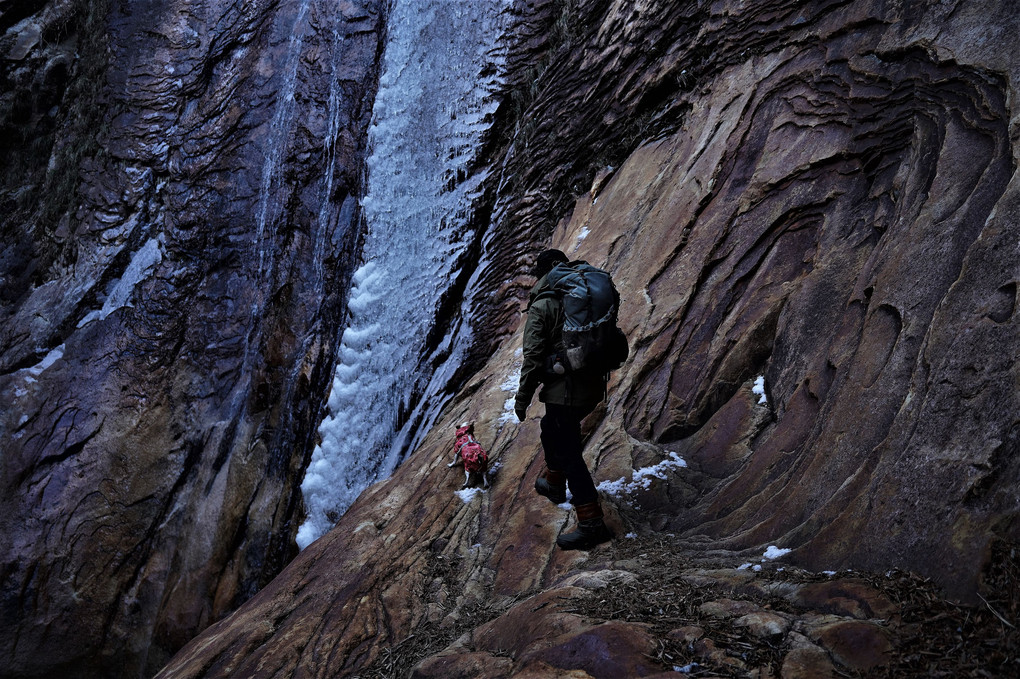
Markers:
485,479
456,458
467,478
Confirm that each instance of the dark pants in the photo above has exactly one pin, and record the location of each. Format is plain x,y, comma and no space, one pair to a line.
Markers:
561,440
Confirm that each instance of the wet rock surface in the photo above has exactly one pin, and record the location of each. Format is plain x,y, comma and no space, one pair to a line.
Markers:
819,194
167,339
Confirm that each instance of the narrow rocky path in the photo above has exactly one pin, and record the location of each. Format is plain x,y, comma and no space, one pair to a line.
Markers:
639,608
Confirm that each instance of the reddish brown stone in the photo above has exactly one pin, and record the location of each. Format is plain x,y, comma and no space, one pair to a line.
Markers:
687,635
855,644
828,202
613,649
709,652
805,660
763,624
728,608
847,597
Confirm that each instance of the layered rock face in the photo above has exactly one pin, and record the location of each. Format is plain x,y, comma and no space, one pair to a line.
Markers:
180,183
819,194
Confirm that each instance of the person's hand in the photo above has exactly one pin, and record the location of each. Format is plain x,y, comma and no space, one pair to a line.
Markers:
521,411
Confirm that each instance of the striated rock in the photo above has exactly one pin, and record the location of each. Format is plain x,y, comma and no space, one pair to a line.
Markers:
818,194
177,239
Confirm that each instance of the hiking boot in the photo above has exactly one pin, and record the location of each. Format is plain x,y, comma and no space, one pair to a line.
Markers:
553,485
591,529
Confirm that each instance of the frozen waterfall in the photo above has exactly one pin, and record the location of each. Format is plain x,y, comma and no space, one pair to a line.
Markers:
442,63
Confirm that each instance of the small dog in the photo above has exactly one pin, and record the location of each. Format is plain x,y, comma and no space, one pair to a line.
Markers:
469,453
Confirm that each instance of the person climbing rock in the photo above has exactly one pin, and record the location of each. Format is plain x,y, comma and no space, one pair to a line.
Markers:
569,395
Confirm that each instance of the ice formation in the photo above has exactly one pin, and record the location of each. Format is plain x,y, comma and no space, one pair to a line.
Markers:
441,66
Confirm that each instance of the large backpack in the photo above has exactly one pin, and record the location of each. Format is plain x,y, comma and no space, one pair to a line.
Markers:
592,341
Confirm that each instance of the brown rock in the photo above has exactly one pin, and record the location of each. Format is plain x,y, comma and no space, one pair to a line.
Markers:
855,644
687,634
805,660
728,608
827,201
847,597
763,624
163,357
612,649
541,670
727,578
709,652
532,625
595,580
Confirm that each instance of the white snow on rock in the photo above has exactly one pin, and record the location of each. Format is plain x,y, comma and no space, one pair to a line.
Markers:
580,237
774,552
510,384
759,389
642,478
119,292
468,494
31,373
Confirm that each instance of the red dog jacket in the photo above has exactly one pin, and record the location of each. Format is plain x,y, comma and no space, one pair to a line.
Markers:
471,451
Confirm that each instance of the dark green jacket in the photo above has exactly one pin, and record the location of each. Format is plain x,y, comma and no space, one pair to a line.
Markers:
542,335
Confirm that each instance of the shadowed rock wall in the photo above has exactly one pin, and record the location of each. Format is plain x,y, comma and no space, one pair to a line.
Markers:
820,193
179,190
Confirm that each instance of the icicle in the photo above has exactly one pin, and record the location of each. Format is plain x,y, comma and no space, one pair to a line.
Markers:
430,113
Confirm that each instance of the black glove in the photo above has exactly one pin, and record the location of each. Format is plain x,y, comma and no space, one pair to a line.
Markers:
521,410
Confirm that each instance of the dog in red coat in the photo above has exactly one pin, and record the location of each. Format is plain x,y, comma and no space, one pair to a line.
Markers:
469,453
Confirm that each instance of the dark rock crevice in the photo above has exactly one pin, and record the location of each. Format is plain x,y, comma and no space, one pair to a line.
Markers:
208,409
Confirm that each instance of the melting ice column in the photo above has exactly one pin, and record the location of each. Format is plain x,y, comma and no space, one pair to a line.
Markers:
440,69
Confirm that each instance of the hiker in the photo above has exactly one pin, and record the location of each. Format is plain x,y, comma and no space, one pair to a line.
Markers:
569,395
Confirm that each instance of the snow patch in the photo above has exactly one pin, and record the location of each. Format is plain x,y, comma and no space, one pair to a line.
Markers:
508,414
642,478
31,374
468,494
510,385
774,552
581,236
759,389
119,294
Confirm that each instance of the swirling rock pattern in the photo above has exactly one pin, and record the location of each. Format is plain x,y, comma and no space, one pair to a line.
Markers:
166,346
821,194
